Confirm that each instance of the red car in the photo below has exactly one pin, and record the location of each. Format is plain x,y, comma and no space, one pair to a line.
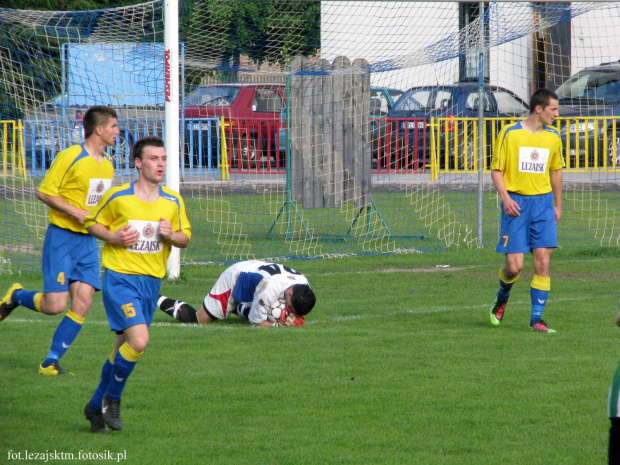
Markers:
252,112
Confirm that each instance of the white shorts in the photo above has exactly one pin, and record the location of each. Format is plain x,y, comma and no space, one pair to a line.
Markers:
220,303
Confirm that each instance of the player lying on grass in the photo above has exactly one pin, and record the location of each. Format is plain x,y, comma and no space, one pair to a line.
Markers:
248,289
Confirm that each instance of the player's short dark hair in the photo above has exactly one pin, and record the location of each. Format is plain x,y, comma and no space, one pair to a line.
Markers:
541,97
147,141
303,299
97,115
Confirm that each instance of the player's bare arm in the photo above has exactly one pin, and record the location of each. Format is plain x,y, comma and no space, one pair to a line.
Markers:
61,205
124,236
555,177
510,206
176,238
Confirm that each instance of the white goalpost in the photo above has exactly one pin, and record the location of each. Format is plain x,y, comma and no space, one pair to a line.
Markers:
171,98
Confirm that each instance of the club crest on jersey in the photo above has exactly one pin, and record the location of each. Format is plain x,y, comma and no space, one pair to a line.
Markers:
148,231
534,155
148,242
96,189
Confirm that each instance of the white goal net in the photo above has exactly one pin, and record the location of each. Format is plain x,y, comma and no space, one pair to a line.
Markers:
318,129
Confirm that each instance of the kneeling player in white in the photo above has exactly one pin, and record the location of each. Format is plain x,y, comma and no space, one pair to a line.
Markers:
248,289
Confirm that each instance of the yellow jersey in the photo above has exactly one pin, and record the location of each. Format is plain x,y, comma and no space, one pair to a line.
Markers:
525,159
80,180
120,207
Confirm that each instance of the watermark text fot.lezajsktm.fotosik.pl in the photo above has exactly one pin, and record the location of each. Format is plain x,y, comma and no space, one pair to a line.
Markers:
54,455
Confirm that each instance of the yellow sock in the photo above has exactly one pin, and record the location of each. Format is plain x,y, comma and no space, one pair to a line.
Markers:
37,301
128,353
505,279
541,283
75,317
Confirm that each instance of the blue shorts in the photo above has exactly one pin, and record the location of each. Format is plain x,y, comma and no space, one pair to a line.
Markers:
129,299
535,228
67,257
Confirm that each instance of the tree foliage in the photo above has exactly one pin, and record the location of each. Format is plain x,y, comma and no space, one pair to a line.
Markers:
65,5
270,31
216,33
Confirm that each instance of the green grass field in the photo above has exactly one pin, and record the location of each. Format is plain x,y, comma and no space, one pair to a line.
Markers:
398,364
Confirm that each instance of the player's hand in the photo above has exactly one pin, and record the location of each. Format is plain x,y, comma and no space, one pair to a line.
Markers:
126,236
511,208
558,214
81,216
165,229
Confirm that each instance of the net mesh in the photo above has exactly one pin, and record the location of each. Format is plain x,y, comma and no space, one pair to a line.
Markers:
289,143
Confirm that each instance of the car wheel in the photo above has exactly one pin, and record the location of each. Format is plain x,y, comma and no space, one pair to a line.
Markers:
468,154
246,152
613,150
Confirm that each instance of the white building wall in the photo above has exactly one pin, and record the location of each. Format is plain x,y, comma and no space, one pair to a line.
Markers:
406,36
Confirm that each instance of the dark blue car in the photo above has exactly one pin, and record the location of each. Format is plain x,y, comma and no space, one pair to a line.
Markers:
591,99
411,115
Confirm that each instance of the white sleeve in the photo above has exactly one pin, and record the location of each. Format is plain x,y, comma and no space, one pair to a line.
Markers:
267,292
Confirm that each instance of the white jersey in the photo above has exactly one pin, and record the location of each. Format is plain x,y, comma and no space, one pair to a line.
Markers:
276,279
251,282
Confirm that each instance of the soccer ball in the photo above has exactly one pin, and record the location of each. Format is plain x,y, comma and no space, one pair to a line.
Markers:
281,313
278,310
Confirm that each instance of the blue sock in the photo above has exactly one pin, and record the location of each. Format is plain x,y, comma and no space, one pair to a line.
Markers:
65,334
123,366
505,285
539,299
26,299
504,290
106,374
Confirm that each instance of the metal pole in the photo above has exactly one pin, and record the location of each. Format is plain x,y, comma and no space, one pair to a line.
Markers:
480,200
171,92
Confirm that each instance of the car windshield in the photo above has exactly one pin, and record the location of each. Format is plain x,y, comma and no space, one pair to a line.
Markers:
396,94
212,95
508,104
407,102
597,85
425,99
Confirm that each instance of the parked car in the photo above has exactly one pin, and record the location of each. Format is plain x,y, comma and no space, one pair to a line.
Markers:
57,124
252,112
592,96
411,114
382,99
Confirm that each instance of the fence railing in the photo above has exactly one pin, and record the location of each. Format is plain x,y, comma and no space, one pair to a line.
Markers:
12,159
451,144
399,145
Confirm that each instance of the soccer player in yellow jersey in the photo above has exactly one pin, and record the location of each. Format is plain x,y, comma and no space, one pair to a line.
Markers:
527,172
75,182
139,222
